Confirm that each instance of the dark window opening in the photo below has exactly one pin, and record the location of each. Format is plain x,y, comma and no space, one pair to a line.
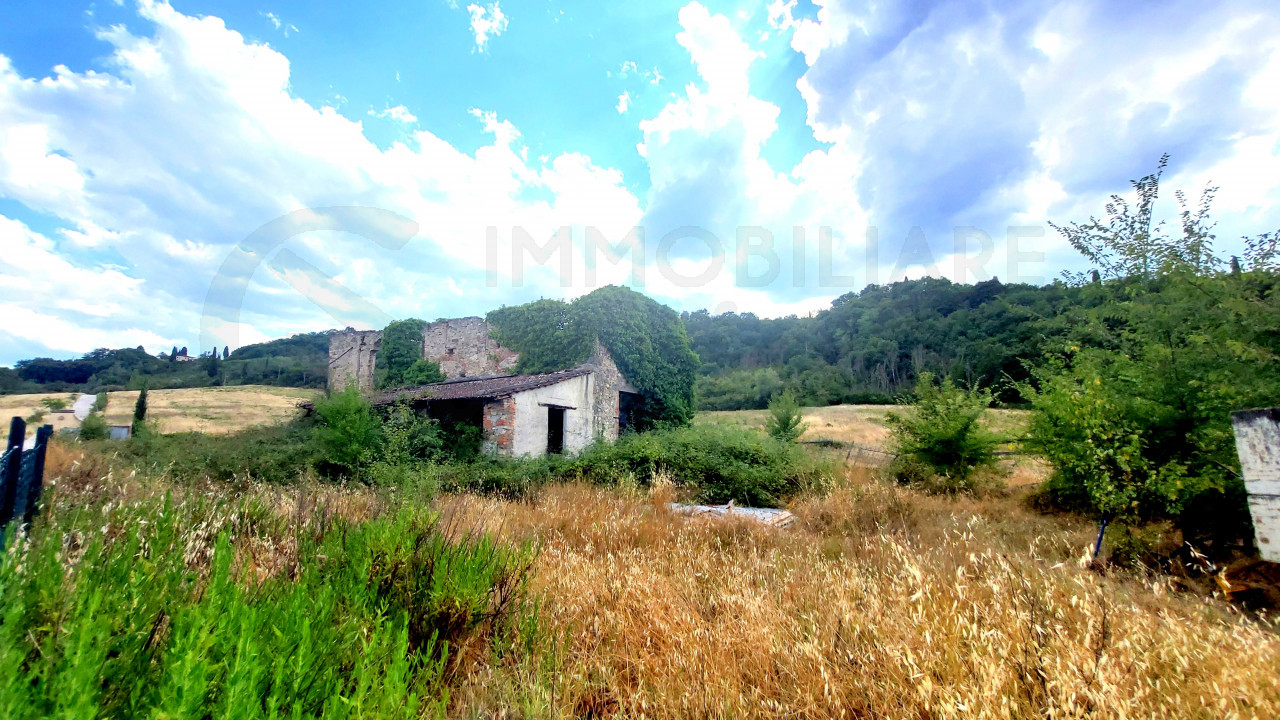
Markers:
628,405
555,430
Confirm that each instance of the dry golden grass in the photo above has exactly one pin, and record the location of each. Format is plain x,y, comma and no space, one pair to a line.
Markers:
881,603
865,428
210,410
24,405
861,424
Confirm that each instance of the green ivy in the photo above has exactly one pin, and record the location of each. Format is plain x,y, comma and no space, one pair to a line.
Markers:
646,339
400,362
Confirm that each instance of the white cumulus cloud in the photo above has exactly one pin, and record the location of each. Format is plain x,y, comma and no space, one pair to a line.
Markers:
487,21
399,113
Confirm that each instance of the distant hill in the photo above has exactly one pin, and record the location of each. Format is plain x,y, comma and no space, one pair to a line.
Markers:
297,361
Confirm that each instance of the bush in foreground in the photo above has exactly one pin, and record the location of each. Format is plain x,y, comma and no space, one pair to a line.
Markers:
720,463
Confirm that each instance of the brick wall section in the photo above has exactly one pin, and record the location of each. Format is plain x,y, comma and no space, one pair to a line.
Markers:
499,426
463,348
351,358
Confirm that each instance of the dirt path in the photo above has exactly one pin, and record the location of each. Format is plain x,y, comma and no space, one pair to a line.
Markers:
83,406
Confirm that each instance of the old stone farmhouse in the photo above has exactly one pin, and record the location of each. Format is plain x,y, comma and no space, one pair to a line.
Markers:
522,415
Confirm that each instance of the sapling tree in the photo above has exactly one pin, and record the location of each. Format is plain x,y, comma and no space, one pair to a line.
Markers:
786,420
943,430
1133,408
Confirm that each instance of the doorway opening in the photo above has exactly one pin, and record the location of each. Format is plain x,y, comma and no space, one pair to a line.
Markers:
555,431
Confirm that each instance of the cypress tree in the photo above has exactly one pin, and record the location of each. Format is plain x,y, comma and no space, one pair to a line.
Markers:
140,411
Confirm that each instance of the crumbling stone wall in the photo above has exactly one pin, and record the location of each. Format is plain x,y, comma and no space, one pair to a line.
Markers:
351,358
462,347
499,427
606,382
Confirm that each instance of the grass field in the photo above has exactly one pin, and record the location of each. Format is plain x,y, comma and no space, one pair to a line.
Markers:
210,410
864,427
879,602
24,405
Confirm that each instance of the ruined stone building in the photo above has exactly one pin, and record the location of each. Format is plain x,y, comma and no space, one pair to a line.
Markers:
522,415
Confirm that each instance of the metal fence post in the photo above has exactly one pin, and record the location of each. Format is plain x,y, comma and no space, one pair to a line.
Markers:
11,471
29,494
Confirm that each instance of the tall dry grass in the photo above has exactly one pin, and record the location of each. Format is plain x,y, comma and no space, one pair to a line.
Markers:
880,603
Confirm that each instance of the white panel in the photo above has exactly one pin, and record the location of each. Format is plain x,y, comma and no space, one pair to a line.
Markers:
1258,446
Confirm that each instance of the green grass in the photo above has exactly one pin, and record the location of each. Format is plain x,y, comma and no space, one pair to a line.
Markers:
153,610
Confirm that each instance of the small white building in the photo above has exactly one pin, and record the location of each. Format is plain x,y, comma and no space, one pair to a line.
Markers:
522,415
532,415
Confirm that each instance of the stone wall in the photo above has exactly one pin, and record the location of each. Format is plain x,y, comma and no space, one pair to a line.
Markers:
351,358
499,427
607,382
463,348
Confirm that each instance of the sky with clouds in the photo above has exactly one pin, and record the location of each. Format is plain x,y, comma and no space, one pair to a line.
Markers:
219,173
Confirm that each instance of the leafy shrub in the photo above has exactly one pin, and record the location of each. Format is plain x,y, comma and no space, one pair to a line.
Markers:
422,372
720,463
1123,455
100,402
408,436
349,434
943,432
140,626
54,403
94,427
785,421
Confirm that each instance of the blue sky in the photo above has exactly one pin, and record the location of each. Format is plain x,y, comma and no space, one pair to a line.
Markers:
164,167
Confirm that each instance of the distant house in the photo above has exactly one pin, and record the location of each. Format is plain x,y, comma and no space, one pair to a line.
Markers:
522,415
183,356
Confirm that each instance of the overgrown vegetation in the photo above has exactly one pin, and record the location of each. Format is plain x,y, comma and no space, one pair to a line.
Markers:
718,463
187,609
399,362
645,338
1133,407
941,440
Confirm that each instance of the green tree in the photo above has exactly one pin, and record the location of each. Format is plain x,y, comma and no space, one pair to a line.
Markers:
1133,407
943,432
140,412
212,365
349,434
94,428
646,339
786,420
422,372
401,349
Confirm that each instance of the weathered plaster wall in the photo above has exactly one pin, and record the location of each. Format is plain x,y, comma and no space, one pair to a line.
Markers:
351,358
607,383
575,394
463,348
